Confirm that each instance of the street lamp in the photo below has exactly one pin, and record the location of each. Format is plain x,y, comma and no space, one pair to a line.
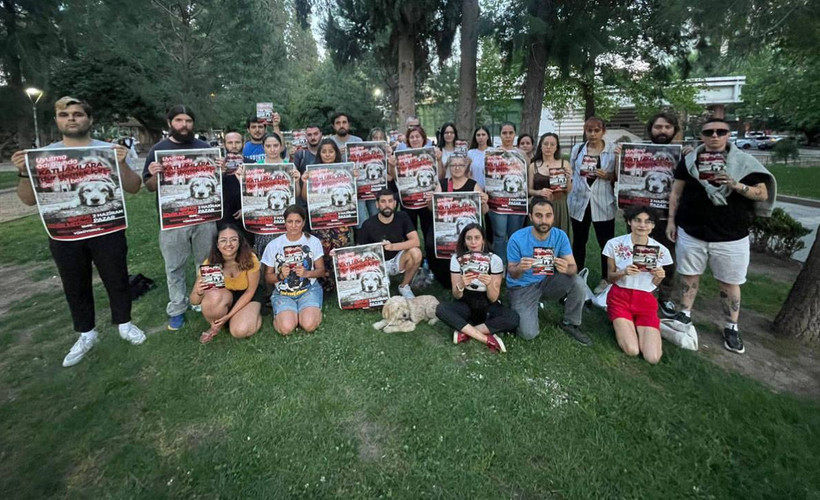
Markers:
31,92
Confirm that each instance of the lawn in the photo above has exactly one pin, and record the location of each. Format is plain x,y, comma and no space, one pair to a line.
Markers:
797,181
8,180
355,413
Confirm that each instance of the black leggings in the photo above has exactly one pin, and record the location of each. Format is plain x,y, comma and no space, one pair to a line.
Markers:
496,317
604,231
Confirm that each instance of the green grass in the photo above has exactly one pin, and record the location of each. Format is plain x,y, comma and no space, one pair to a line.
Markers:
797,181
8,180
355,413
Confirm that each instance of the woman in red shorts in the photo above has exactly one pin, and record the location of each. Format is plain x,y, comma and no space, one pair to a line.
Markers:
635,263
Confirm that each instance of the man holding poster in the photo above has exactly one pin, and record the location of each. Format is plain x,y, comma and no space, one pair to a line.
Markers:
178,244
108,252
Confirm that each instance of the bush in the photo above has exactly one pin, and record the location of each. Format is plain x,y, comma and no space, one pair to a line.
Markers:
785,149
779,234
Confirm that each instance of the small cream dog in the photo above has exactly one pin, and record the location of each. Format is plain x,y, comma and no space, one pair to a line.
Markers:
402,315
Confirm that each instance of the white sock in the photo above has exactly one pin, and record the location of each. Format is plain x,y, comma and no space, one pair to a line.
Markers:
90,333
124,327
731,326
687,312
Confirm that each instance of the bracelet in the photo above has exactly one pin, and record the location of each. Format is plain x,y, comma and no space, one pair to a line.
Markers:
745,189
23,176
459,287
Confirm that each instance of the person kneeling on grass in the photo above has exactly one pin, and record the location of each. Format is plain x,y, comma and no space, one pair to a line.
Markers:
294,260
630,303
476,283
237,304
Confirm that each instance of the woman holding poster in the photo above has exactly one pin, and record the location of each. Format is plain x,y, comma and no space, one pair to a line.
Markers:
592,200
550,176
635,262
479,144
476,286
505,224
226,286
446,146
294,261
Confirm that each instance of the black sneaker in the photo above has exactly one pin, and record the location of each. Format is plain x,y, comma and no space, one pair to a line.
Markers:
667,309
732,341
682,318
576,333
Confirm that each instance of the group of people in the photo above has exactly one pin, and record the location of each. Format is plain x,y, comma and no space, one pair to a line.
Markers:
707,224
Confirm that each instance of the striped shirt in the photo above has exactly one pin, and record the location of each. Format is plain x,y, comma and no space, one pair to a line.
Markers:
600,195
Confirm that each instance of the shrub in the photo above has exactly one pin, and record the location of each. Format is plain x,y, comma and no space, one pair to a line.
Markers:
785,149
779,234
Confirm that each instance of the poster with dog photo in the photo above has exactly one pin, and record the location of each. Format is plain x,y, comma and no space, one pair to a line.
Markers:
646,173
506,181
264,112
415,176
452,212
267,190
189,188
361,277
645,257
78,191
370,159
331,196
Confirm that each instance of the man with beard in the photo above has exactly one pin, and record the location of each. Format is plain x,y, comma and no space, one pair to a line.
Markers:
178,244
231,191
108,252
395,231
253,148
717,193
341,129
541,265
305,157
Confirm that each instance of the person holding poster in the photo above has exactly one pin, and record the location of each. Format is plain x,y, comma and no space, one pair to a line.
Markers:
505,183
294,261
709,220
231,192
479,144
446,138
235,303
341,130
108,252
476,285
525,144
307,156
550,176
541,265
592,199
179,244
371,159
630,304
257,129
421,182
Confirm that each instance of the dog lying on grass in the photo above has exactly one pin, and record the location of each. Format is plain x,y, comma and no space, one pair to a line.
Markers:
402,315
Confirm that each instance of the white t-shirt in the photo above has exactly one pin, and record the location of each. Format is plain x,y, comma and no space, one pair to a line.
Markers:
620,249
496,267
281,251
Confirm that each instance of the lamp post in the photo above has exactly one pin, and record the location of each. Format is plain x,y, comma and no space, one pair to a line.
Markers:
31,92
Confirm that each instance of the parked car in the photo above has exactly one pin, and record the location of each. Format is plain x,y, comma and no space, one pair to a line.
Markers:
745,143
758,142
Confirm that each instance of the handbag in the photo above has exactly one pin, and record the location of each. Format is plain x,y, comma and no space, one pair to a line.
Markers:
682,335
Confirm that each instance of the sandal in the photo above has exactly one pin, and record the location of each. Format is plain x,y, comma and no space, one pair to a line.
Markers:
208,335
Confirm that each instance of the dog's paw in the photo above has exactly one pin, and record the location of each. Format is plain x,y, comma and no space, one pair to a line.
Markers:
432,321
378,325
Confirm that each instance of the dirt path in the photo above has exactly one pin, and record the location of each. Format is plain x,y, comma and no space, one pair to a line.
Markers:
11,208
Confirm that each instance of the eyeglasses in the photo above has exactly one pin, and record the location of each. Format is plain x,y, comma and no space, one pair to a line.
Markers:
225,241
720,132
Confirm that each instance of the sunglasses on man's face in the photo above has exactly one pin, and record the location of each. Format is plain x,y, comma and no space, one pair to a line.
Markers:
720,132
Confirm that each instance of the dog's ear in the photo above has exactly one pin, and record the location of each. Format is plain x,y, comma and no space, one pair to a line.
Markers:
110,190
82,194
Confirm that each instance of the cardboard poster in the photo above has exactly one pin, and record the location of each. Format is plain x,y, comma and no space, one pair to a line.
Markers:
645,257
452,212
544,264
267,190
415,176
232,162
78,191
264,112
589,164
331,196
558,177
710,164
505,174
646,173
189,188
461,148
361,277
370,159
212,276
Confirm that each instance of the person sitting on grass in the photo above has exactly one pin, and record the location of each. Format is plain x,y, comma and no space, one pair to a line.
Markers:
237,305
630,303
294,261
476,285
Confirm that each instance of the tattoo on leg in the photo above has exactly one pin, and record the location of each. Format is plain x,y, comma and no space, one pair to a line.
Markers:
724,302
736,305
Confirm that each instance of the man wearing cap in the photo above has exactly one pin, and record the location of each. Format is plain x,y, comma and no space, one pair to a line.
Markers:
108,252
178,244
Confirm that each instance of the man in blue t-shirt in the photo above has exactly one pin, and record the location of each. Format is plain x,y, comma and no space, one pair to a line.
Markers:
253,148
540,264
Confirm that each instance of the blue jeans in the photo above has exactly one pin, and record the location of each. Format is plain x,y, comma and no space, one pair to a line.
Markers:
367,209
313,297
503,227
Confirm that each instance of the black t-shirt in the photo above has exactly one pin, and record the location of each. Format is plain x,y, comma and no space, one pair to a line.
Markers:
699,217
468,186
374,231
168,144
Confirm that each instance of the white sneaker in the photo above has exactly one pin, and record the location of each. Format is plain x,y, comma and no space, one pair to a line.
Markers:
78,350
132,334
406,292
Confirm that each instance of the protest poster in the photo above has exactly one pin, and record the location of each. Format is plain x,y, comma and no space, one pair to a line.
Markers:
646,173
232,162
189,188
452,212
475,262
558,177
645,257
460,148
264,112
589,164
505,174
212,276
331,196
370,159
267,190
709,164
78,191
361,277
415,176
544,264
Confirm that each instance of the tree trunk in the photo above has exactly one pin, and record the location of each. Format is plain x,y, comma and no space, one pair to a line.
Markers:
536,62
588,94
800,315
13,70
467,97
407,78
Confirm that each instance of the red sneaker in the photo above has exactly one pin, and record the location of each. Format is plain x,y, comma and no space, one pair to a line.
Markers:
459,337
495,344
